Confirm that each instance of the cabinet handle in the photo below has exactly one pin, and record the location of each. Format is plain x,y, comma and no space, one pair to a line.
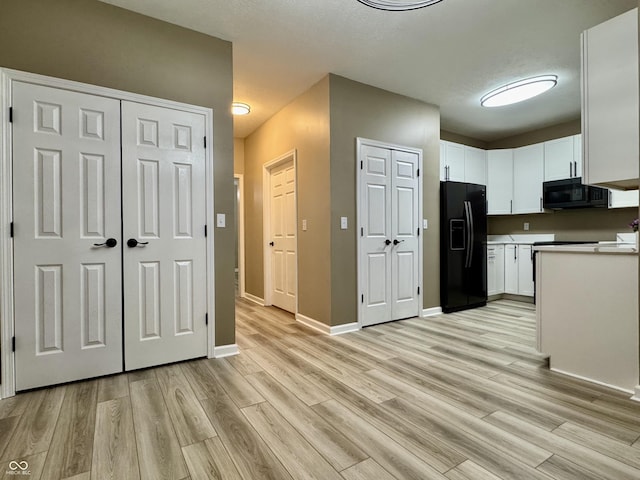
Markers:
570,170
515,252
540,203
575,168
510,206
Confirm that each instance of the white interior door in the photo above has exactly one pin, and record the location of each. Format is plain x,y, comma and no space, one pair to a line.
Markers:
389,244
283,230
163,191
66,184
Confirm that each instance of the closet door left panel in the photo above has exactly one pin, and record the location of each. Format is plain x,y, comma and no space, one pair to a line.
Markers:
67,245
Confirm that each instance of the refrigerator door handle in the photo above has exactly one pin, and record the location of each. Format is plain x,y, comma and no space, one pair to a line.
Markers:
472,234
469,224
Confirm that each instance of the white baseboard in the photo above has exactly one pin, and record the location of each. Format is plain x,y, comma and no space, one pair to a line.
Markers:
597,382
430,312
253,298
225,351
326,329
636,394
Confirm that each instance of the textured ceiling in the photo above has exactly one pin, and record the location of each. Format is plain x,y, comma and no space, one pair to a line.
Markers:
448,54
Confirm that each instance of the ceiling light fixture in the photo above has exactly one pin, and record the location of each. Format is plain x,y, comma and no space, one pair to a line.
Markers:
238,108
398,5
519,91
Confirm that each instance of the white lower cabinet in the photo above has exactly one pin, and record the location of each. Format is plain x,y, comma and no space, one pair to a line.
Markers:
623,198
495,269
518,269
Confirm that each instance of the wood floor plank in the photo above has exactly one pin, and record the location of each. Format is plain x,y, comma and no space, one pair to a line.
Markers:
115,454
36,426
595,462
367,470
390,455
208,460
113,386
143,374
71,447
339,451
244,364
293,451
202,380
234,383
252,457
562,469
190,422
35,464
469,470
13,406
7,428
80,476
159,453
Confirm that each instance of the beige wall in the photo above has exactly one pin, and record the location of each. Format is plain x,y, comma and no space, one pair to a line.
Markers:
359,110
302,125
560,130
462,139
92,42
238,155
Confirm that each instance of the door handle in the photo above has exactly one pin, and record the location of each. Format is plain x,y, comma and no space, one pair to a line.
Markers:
387,242
396,242
271,244
132,243
109,243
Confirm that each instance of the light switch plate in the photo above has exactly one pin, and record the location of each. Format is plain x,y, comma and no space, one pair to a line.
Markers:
220,220
304,224
425,223
344,224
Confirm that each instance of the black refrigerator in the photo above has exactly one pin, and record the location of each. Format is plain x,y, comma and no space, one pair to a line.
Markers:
463,246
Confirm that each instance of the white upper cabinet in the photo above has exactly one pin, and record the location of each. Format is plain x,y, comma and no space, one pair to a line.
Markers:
623,198
528,174
475,165
610,102
451,162
559,161
499,181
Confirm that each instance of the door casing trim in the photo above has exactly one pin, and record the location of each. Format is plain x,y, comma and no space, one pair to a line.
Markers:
7,77
266,220
360,209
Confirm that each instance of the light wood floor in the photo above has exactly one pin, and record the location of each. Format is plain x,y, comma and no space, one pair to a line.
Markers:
458,397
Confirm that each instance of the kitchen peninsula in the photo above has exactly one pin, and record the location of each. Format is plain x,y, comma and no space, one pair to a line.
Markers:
587,312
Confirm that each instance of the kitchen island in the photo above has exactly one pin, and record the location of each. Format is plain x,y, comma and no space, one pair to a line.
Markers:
587,312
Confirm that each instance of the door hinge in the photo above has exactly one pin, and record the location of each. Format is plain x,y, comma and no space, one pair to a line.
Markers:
11,229
205,230
362,231
13,344
418,231
205,142
361,164
418,172
10,114
206,319
362,298
418,290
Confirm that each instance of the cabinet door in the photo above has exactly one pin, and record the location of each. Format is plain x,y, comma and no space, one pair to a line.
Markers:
528,172
475,165
623,198
499,268
525,270
454,158
499,181
511,269
610,101
558,159
443,161
577,155
491,270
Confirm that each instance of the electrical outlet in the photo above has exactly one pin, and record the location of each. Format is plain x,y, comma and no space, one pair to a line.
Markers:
526,226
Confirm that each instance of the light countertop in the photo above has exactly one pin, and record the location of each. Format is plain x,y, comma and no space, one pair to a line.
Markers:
602,247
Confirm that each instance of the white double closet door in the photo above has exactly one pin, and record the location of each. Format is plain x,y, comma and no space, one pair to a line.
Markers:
92,175
389,263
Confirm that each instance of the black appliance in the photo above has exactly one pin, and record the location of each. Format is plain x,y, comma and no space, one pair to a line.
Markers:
572,193
463,246
550,242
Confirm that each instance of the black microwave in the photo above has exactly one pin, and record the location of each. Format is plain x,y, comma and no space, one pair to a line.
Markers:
572,193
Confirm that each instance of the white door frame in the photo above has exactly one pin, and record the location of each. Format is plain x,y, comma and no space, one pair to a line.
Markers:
266,219
7,77
240,240
359,208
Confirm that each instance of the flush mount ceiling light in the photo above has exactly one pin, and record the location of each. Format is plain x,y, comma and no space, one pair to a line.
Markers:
238,108
519,91
398,4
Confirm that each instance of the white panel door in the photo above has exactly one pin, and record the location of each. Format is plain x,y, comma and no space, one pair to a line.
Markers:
66,179
404,215
283,226
163,194
389,219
